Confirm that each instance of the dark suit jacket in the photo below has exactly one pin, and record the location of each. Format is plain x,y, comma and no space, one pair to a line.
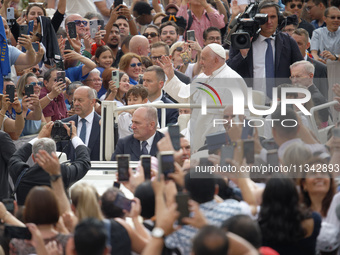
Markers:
320,76
318,99
286,53
7,148
130,145
171,114
36,176
94,142
182,77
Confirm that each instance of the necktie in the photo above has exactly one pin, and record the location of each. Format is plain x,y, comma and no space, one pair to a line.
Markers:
270,71
144,151
82,135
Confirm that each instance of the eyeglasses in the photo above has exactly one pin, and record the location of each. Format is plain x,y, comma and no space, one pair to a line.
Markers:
155,58
168,32
292,6
34,70
309,8
217,38
134,64
79,22
333,17
153,34
94,80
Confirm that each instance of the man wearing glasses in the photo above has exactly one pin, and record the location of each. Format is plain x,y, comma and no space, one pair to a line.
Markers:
295,7
160,49
326,41
212,35
81,24
316,9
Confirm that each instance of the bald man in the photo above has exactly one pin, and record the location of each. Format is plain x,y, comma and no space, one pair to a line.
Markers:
140,45
218,76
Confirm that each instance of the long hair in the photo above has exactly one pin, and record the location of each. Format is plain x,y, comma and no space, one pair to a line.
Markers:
86,201
281,214
326,202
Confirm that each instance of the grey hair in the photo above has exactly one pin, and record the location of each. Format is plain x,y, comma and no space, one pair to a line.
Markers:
95,70
151,114
309,67
91,15
46,144
74,85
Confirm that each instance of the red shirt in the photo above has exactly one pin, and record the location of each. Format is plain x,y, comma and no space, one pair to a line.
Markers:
56,109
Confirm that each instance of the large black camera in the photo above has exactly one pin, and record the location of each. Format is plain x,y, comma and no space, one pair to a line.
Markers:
59,133
246,26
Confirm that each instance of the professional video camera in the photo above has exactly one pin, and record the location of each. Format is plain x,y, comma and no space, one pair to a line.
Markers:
59,133
246,26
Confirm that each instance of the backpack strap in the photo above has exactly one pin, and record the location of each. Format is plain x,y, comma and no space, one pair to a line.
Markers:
13,195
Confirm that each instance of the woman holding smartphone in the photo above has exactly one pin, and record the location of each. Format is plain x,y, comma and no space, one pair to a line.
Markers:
116,92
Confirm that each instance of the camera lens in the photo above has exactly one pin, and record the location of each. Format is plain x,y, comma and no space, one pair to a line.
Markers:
241,39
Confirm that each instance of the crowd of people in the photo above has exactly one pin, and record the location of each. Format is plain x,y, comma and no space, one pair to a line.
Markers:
218,184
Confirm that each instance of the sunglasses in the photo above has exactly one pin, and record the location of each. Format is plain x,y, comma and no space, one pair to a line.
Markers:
153,35
292,6
179,49
134,64
39,83
79,22
34,70
334,17
171,13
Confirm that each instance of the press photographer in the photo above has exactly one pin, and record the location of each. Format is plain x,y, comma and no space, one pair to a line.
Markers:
25,177
269,56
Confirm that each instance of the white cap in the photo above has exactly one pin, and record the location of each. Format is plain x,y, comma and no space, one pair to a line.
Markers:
217,49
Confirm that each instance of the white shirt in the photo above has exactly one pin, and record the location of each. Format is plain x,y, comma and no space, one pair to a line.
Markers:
150,141
259,54
89,121
157,99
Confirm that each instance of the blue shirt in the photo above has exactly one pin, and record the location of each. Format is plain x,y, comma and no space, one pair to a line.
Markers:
75,73
315,23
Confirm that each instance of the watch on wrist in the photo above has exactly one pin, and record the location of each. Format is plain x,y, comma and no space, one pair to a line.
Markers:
157,233
336,57
54,177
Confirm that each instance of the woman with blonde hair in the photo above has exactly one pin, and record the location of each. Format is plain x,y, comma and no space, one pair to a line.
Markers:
123,239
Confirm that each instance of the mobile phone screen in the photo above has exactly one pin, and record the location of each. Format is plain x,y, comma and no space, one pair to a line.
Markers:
122,202
272,158
174,135
167,162
248,151
10,89
123,167
227,152
182,206
17,232
146,163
